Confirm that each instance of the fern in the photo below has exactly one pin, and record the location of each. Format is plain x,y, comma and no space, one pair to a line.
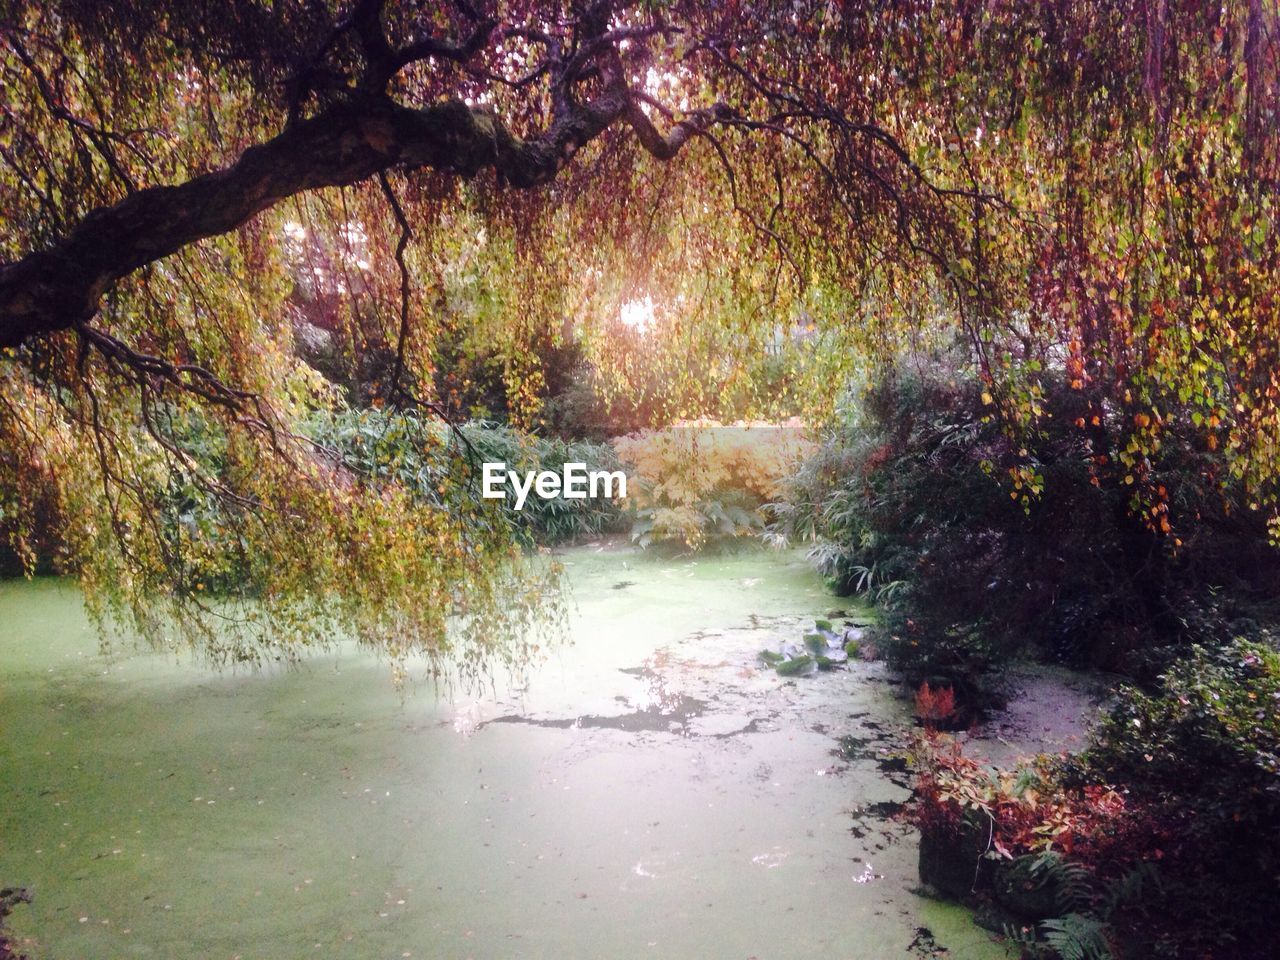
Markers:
1077,936
1074,891
1130,887
1082,932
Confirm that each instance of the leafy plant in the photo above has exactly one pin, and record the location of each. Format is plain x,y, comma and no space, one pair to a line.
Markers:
935,707
703,482
443,470
1142,856
981,545
1075,936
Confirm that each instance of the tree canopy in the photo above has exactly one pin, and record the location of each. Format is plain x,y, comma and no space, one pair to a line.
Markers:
1087,188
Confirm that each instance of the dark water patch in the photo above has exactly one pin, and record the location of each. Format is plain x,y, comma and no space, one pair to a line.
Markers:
757,621
893,764
866,723
751,726
874,817
885,809
671,716
923,944
853,748
623,584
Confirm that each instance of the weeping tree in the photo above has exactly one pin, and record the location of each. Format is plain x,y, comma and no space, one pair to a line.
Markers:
1079,190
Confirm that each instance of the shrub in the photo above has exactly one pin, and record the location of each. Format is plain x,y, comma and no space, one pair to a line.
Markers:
981,546
1200,754
700,482
557,519
418,454
1059,867
421,455
1165,827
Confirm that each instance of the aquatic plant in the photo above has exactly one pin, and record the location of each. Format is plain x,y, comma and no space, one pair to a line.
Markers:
10,897
822,649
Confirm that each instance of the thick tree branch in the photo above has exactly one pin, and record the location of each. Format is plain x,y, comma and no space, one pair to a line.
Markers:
666,146
61,287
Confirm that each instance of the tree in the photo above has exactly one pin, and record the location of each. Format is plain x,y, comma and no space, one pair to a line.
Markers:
1066,186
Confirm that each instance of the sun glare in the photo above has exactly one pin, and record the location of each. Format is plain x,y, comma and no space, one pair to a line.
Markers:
637,314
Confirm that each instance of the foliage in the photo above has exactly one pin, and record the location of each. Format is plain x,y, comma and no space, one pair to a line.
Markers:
556,519
1217,713
925,504
821,649
448,192
177,559
935,707
701,482
1082,845
1161,836
416,453
1026,813
9,898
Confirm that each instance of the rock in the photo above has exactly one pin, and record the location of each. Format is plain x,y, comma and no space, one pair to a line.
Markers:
989,916
1025,891
951,861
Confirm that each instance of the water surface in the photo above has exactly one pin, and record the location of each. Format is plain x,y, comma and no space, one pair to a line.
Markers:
651,792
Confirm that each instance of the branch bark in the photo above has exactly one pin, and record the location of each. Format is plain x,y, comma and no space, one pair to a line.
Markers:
61,287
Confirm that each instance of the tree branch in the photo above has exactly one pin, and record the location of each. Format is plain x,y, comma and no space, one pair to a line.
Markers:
61,287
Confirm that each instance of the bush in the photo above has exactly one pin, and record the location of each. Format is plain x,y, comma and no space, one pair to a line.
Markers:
423,456
554,520
1200,755
702,482
1062,872
1162,834
981,546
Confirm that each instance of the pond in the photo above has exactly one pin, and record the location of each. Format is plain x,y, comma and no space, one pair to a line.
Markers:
651,791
